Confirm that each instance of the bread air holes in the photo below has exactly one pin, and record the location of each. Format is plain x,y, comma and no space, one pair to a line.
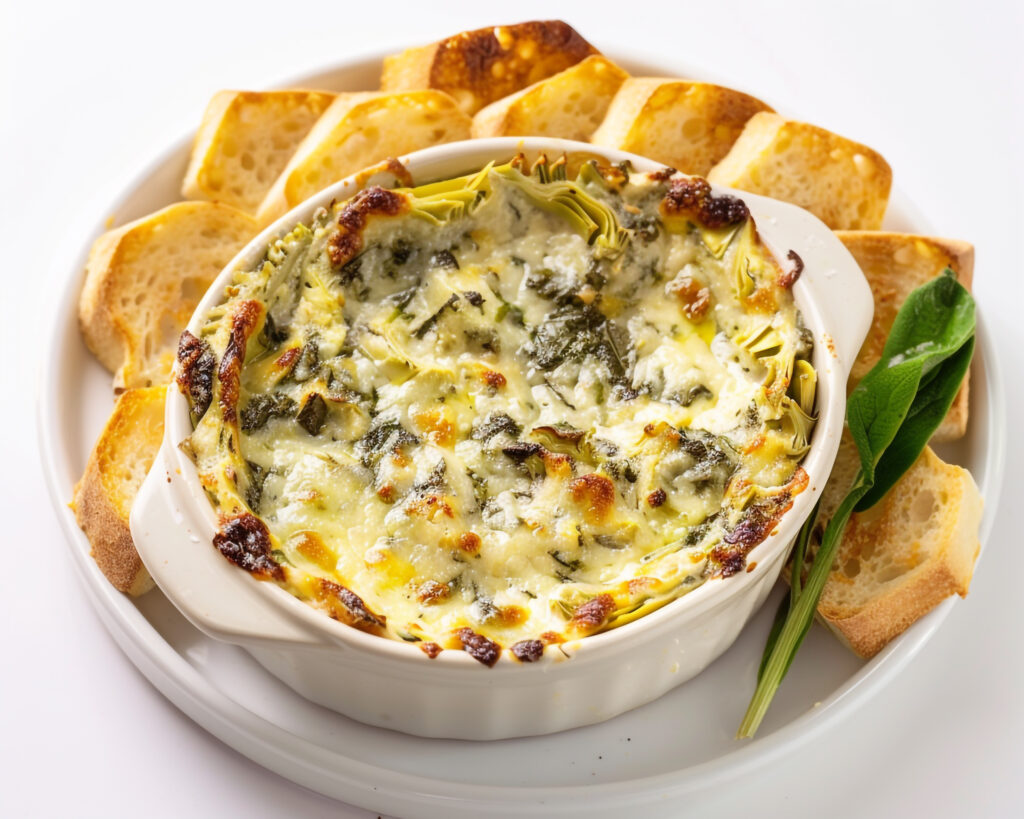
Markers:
694,128
923,507
192,289
170,330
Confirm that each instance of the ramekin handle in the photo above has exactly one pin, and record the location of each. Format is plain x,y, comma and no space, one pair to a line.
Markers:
175,543
841,293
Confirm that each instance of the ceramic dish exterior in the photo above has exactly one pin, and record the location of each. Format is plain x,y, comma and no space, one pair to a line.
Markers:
393,684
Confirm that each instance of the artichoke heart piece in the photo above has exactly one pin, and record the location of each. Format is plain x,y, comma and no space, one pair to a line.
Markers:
796,426
748,261
592,219
803,387
763,342
450,199
717,240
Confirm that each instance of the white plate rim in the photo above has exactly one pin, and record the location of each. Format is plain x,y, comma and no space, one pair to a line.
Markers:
379,788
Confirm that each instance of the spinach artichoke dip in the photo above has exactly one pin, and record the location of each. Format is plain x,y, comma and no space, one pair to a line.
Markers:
505,410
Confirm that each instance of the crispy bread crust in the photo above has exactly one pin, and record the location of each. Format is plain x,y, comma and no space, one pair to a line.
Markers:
481,66
687,125
946,567
103,497
842,182
395,132
594,82
264,127
122,278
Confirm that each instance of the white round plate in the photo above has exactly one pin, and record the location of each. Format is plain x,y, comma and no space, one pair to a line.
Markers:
678,746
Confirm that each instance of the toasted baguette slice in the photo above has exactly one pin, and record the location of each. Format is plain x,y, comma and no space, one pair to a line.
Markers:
687,125
358,130
117,466
244,142
479,67
843,183
904,556
895,264
571,104
144,280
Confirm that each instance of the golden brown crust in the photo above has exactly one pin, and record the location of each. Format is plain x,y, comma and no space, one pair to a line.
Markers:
687,125
868,631
103,497
244,141
360,131
568,105
481,66
844,183
147,277
904,556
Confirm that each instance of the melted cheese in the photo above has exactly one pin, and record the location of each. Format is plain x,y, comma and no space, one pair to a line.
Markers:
514,421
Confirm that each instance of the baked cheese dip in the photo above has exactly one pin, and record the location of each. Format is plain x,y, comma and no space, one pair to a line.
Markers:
505,410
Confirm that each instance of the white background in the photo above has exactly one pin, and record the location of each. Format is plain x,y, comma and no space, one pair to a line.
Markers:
92,91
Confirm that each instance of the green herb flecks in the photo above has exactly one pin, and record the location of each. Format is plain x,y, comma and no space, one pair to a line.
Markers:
891,415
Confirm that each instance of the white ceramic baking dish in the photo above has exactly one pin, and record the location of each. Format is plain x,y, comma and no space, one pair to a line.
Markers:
395,685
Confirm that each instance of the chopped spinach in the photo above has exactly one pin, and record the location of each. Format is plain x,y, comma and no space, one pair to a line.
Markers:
445,259
313,413
426,326
493,424
308,362
574,332
433,481
401,250
254,492
383,437
264,406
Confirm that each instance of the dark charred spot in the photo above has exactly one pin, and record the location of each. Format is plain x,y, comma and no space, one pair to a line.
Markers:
287,360
691,197
730,560
245,541
788,278
196,364
474,298
348,241
528,651
493,379
430,649
479,647
593,613
353,610
470,55
656,498
243,322
663,175
758,522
